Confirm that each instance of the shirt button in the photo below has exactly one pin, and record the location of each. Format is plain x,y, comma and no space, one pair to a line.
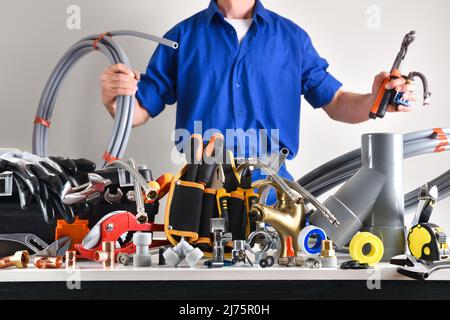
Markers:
241,112
237,84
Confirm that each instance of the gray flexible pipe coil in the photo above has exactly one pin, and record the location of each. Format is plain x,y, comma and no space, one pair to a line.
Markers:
125,104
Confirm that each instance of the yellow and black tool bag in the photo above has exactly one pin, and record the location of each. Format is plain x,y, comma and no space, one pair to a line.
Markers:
209,211
238,216
183,209
190,207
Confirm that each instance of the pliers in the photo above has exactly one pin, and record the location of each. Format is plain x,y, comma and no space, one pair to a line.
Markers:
39,246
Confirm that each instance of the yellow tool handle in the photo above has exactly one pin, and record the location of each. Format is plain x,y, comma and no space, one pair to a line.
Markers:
222,197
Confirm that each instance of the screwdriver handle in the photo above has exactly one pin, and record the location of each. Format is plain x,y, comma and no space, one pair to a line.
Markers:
206,169
222,197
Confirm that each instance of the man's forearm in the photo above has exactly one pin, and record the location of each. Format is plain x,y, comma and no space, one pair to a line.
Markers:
349,107
140,115
111,107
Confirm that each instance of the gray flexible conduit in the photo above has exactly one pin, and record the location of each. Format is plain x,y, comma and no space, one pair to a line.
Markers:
123,121
340,169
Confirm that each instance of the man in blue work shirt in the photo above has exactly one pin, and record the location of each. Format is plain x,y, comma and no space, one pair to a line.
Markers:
240,66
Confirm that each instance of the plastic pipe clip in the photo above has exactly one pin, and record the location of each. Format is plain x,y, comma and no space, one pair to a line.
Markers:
358,246
307,234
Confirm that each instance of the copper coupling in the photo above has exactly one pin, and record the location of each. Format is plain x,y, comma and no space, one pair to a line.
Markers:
71,259
106,255
48,262
19,260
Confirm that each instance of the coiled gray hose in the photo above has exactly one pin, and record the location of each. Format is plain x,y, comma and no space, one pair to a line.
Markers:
340,169
123,121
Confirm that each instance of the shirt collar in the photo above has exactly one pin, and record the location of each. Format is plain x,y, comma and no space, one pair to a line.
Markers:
259,11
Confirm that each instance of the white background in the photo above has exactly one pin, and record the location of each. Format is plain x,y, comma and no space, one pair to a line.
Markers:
34,37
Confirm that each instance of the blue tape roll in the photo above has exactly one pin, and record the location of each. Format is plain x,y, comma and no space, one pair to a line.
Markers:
306,234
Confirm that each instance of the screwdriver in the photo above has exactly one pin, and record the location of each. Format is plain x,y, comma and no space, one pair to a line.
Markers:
216,150
206,169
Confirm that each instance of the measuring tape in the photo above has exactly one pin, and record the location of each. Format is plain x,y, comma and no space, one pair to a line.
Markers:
357,250
428,241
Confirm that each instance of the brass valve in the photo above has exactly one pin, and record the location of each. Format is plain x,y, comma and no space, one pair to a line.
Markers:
287,216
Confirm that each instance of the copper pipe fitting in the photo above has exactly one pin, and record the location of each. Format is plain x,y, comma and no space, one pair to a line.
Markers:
71,259
48,262
19,260
106,255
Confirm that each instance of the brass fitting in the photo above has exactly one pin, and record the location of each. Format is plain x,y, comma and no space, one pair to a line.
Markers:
19,260
287,216
328,256
71,259
48,262
106,255
327,249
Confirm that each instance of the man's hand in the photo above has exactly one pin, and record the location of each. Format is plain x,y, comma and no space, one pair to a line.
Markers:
354,107
399,85
117,80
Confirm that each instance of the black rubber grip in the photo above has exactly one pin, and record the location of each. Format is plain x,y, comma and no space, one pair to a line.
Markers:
205,172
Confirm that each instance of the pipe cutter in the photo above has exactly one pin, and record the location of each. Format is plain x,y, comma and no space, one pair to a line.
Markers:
110,228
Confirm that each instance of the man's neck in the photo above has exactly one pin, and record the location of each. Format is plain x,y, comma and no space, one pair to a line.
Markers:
236,9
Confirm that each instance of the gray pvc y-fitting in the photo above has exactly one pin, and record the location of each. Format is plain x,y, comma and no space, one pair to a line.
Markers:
373,196
387,218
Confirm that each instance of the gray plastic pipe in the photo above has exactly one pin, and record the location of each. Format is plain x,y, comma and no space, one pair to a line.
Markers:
339,170
386,219
125,104
373,197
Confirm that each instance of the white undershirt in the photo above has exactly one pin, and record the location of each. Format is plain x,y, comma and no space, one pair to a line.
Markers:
241,26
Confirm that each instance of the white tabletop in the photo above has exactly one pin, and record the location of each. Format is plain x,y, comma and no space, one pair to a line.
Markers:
91,271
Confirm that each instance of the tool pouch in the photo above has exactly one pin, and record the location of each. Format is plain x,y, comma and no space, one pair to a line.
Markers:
238,218
190,207
183,209
209,210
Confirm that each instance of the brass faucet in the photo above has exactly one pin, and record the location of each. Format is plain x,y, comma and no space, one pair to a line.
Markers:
287,216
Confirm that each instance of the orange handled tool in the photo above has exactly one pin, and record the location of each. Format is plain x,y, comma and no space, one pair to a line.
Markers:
386,97
212,153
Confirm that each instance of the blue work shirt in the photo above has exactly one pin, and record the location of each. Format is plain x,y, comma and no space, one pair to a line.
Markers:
256,84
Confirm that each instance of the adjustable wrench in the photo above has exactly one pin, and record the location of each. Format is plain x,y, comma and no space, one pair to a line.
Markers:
414,268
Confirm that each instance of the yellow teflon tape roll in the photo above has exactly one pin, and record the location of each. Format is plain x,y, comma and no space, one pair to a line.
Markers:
362,239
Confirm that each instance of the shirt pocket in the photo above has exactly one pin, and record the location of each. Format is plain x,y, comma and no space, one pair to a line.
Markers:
272,62
275,74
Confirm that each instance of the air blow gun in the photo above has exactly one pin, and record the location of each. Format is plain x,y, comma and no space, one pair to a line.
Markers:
388,97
